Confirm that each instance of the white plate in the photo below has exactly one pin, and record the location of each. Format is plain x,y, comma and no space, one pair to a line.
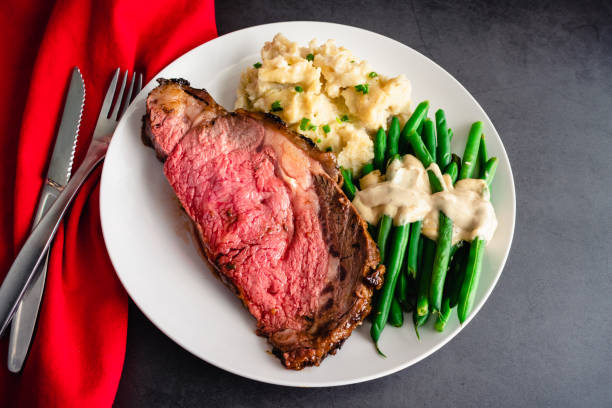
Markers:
151,248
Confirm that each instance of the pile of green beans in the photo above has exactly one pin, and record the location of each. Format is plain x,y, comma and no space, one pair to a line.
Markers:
394,293
424,276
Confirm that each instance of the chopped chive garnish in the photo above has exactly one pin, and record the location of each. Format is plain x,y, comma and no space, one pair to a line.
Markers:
318,140
276,107
329,149
352,61
310,57
312,127
299,89
372,74
257,65
326,128
304,123
344,118
363,88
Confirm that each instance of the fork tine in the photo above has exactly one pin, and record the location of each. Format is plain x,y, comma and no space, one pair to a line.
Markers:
108,99
128,97
139,87
116,109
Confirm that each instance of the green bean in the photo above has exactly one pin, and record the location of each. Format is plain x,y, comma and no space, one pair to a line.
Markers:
452,170
455,250
440,263
419,148
442,256
396,315
420,266
444,139
473,266
380,149
413,249
443,315
467,295
419,321
452,284
348,186
429,137
482,155
393,264
434,182
420,252
401,288
455,276
471,151
429,250
398,248
367,169
489,170
392,140
456,159
420,127
412,124
384,227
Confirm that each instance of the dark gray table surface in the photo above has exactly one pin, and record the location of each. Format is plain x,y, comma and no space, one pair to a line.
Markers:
543,73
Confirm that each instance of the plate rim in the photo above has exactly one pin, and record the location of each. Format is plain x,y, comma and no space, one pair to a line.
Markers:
355,380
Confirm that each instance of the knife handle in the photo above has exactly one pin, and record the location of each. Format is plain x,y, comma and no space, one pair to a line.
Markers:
33,251
24,320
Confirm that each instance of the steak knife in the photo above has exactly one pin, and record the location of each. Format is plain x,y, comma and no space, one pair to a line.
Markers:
58,174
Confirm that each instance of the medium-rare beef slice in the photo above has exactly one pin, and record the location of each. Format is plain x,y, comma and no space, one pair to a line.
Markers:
271,217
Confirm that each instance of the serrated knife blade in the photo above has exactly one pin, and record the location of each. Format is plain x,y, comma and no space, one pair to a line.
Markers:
58,174
60,166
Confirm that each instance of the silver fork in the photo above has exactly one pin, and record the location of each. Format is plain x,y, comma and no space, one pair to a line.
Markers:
21,272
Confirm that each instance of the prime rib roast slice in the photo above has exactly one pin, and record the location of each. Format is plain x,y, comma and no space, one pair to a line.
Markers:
271,218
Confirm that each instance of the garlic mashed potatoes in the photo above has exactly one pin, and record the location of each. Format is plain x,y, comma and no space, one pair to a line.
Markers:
326,94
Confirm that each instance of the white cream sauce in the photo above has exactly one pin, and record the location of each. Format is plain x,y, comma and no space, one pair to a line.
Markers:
405,195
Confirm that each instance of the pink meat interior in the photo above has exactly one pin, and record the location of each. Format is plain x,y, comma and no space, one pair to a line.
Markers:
247,189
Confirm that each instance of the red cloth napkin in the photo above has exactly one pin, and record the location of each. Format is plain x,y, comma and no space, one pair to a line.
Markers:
77,354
